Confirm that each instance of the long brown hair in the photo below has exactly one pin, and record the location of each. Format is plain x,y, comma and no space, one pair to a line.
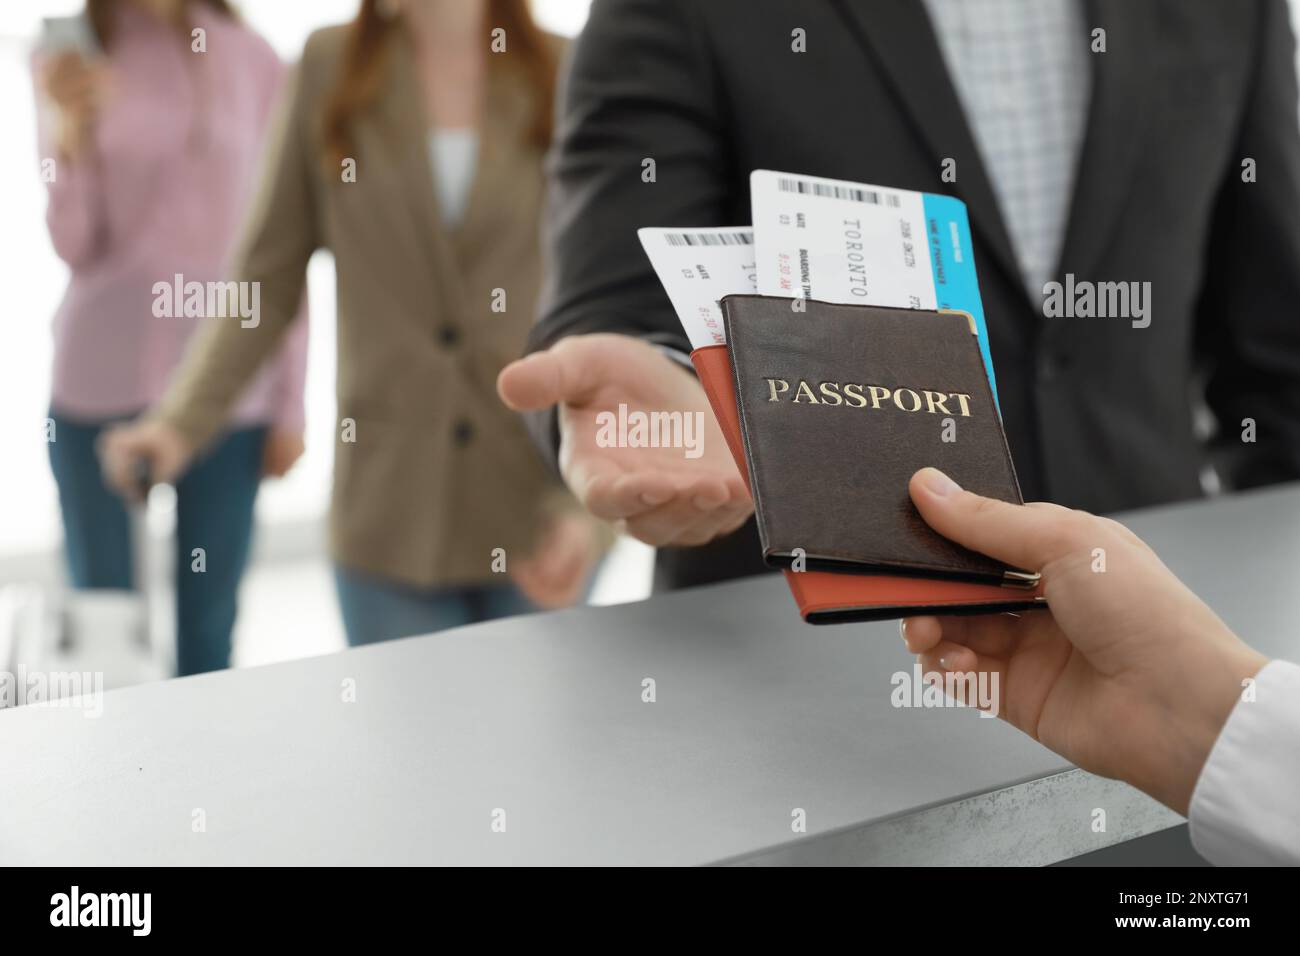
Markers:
103,16
370,36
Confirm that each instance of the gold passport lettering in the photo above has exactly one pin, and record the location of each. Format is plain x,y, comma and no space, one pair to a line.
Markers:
856,395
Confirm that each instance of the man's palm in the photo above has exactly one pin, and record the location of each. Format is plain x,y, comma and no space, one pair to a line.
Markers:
665,496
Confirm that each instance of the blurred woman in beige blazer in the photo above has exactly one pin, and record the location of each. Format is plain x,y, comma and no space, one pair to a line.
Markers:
410,145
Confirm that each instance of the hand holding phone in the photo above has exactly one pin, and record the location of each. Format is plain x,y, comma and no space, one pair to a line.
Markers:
73,78
75,34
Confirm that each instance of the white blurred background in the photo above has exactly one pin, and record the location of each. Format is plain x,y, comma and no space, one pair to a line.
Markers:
287,606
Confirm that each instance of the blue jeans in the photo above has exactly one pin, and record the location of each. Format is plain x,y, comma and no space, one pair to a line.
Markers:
214,511
377,609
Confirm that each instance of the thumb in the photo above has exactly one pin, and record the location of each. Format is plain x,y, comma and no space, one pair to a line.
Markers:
1024,536
569,371
530,383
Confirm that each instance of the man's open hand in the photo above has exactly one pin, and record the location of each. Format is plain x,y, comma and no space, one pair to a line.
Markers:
662,496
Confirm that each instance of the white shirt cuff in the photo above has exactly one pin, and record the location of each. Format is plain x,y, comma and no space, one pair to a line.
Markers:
1245,809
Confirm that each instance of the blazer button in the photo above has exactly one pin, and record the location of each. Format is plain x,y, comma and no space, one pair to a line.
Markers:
463,433
449,335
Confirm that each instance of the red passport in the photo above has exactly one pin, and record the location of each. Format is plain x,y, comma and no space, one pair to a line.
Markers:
827,597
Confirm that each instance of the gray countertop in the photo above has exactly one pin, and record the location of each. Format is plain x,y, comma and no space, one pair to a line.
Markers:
756,717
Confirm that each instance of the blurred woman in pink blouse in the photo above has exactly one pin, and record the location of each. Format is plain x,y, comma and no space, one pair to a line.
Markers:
155,143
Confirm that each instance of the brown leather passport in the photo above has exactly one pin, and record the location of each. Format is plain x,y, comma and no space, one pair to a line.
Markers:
839,405
827,597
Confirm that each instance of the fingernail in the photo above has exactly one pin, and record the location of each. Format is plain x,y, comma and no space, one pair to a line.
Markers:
902,630
650,499
939,484
943,662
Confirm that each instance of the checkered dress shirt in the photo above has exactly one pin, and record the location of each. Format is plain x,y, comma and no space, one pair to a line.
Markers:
1022,74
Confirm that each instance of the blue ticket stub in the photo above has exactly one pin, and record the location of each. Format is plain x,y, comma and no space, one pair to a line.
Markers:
861,244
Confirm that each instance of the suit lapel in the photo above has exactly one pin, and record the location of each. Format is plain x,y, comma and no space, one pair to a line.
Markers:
505,111
1117,120
406,124
898,35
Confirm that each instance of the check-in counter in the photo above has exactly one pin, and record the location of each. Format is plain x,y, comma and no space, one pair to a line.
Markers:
706,726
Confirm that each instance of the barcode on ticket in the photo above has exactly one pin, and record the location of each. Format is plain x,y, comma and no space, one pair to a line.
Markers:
831,191
709,238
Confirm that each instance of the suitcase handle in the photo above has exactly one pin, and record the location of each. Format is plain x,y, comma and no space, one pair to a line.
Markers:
145,582
142,476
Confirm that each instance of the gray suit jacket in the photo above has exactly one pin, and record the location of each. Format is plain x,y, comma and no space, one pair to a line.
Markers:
1098,414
